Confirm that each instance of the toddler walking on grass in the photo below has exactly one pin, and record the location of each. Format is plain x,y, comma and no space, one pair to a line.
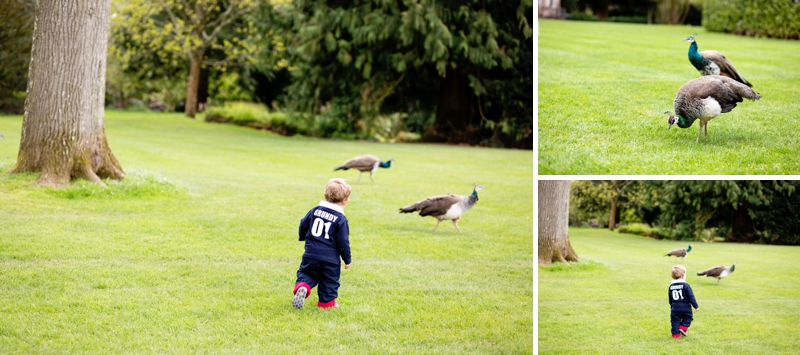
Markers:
681,301
326,233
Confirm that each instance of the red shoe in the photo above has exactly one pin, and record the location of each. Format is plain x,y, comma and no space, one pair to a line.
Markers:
330,304
683,331
676,336
300,295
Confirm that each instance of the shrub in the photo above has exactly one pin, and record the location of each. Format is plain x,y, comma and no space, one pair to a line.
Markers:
768,18
645,230
240,113
628,19
389,128
256,116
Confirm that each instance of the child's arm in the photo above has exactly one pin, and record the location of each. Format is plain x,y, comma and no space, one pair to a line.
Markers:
690,297
669,297
303,229
343,243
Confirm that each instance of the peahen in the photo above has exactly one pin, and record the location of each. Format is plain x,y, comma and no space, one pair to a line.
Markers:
443,207
680,252
718,272
364,163
705,98
713,63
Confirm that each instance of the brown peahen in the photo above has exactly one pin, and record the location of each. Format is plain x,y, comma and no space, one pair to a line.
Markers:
680,252
718,272
367,162
443,207
705,98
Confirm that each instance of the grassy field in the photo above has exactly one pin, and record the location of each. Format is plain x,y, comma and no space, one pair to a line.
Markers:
196,251
615,300
603,88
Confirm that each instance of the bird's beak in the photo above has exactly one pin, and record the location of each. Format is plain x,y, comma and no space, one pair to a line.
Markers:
670,125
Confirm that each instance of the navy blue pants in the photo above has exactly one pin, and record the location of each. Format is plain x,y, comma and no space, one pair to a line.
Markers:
326,275
680,319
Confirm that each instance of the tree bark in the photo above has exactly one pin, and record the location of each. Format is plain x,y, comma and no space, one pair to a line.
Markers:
553,232
742,226
454,111
612,218
202,90
63,129
195,61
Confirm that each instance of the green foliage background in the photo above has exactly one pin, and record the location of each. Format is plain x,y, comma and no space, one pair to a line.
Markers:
353,62
763,18
16,30
696,210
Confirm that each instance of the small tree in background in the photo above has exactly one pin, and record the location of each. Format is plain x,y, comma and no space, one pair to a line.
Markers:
604,195
176,30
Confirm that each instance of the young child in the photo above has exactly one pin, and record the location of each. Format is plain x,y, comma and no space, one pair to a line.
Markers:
326,233
681,301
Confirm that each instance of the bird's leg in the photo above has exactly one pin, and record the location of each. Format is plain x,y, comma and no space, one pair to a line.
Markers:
370,177
455,223
698,133
437,225
706,129
359,175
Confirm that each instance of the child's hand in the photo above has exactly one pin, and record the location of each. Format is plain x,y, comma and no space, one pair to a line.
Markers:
697,309
347,266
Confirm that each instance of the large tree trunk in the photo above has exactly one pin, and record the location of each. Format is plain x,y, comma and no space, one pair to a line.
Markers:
554,222
612,218
742,226
202,90
63,129
195,61
673,12
454,111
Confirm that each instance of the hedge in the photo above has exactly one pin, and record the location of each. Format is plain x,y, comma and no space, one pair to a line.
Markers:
767,18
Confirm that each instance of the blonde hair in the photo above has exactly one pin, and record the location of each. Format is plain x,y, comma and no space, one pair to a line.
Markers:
337,190
678,272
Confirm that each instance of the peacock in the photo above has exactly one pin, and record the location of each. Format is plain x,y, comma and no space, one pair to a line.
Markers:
367,162
680,252
705,98
443,207
713,63
718,272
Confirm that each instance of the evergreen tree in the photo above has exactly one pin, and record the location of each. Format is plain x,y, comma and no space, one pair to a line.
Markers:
350,58
16,33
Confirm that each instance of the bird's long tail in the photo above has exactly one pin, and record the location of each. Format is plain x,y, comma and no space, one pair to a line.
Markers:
743,90
340,167
410,208
702,273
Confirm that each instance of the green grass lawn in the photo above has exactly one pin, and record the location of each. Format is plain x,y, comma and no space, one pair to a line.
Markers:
614,301
603,88
196,251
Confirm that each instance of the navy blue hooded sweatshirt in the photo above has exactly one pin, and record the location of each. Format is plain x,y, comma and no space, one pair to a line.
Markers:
681,297
326,233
